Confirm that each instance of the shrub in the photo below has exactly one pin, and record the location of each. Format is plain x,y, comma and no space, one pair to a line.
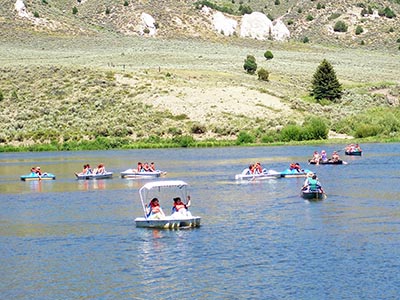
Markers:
290,22
184,141
305,40
309,18
277,2
198,129
74,10
245,9
126,3
291,133
315,128
359,30
366,130
245,138
340,26
268,55
1,95
36,14
263,74
107,11
325,84
250,64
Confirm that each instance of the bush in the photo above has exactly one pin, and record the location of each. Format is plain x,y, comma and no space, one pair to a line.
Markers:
315,128
250,64
184,140
340,26
291,133
263,74
245,138
74,10
305,40
126,3
36,14
309,18
1,95
198,129
366,130
359,30
268,55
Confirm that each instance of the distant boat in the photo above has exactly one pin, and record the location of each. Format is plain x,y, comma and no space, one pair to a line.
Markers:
132,173
35,176
266,174
105,175
328,162
353,152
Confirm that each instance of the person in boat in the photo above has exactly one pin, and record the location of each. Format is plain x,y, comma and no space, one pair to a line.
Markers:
154,210
38,171
324,157
335,156
312,184
152,167
146,167
139,167
180,207
101,169
258,168
357,148
296,167
315,158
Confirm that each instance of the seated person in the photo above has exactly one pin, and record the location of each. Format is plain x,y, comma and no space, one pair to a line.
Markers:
100,169
324,157
154,210
146,167
311,184
258,168
181,208
315,158
295,166
139,167
38,171
335,156
152,167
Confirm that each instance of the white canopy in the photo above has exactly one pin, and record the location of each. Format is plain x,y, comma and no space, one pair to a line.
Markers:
163,183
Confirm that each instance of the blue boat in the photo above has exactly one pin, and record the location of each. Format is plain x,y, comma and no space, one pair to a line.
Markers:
292,173
34,176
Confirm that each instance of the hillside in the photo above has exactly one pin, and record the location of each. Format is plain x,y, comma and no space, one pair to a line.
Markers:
75,77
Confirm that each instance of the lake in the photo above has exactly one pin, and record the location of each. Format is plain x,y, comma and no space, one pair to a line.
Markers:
70,239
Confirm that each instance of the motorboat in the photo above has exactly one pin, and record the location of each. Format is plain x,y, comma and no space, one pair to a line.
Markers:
162,189
92,176
133,173
34,176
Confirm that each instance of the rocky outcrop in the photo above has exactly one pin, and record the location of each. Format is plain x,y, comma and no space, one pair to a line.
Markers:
148,24
224,25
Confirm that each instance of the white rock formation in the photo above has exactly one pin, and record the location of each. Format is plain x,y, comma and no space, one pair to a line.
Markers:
148,23
223,24
256,25
21,9
279,31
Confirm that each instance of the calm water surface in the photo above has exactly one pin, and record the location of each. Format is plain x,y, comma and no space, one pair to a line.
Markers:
69,239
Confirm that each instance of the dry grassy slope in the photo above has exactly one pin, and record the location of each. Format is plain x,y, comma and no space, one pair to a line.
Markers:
181,19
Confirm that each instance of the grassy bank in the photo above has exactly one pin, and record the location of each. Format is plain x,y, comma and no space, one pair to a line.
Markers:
65,94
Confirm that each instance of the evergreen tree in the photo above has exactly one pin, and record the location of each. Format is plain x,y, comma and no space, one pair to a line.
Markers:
325,84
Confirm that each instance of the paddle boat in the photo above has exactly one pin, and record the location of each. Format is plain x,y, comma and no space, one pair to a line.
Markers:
312,189
90,176
328,162
353,152
133,173
34,176
265,174
176,220
293,173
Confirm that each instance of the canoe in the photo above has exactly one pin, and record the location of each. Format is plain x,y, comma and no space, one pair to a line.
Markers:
266,174
174,221
354,153
131,173
105,175
313,196
34,176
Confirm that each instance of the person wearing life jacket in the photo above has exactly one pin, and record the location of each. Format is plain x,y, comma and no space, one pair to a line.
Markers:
295,166
154,210
312,184
179,206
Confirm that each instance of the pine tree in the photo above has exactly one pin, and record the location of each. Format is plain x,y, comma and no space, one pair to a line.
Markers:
325,84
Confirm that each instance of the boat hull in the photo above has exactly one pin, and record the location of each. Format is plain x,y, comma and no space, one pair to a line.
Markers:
339,162
353,153
313,196
141,175
168,223
262,176
30,177
106,175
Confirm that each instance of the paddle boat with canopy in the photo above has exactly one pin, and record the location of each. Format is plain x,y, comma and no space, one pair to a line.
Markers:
162,189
